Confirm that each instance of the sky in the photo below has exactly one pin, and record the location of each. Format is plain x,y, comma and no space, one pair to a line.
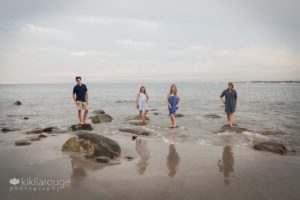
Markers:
52,41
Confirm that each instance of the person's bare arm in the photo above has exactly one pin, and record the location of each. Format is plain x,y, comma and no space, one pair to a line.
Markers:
222,99
74,97
87,97
137,100
147,96
179,100
168,103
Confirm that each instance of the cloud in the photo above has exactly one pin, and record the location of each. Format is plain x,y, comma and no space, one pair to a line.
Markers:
138,45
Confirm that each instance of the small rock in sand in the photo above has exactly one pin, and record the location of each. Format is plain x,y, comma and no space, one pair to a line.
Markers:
18,103
271,146
137,122
35,131
22,143
42,136
129,158
179,115
5,130
26,118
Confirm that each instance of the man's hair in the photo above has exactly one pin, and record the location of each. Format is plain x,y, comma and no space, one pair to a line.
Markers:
77,77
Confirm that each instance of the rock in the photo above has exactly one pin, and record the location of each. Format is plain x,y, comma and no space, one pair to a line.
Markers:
179,115
93,145
42,136
97,112
212,116
100,118
35,131
129,158
135,131
5,130
81,127
235,129
136,117
34,139
271,146
50,129
18,103
22,143
155,113
103,159
137,122
26,118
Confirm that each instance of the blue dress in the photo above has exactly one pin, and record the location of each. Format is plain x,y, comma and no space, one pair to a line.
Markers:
173,101
230,100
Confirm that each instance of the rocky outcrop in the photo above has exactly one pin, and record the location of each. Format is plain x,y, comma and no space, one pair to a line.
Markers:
81,127
271,146
101,118
93,146
99,111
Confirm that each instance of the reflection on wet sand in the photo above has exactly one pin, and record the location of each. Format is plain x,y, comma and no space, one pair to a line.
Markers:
142,149
173,160
79,165
226,165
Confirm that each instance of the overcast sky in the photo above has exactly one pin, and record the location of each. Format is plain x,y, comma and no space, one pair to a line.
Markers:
46,41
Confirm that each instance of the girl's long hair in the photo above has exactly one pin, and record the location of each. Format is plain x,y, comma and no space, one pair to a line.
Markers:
231,84
175,89
144,89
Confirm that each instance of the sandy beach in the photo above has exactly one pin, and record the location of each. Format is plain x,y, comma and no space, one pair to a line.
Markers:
157,171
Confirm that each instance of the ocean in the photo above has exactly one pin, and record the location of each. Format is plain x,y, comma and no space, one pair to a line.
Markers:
269,111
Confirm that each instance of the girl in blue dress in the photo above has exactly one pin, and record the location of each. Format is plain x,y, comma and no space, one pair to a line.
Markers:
141,103
173,100
230,102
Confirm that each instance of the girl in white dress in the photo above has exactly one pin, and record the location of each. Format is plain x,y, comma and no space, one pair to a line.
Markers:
141,103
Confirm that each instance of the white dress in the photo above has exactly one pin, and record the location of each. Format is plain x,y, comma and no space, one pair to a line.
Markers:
143,102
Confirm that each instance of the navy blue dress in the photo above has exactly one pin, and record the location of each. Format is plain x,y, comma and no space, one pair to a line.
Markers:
230,100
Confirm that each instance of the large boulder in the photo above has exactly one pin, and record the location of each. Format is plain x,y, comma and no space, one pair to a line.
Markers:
93,146
100,118
271,146
81,127
235,129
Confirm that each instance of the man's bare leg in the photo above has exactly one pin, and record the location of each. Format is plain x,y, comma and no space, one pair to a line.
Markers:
84,116
79,116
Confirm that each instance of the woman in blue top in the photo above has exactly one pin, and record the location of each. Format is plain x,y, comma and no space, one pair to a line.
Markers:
230,102
173,100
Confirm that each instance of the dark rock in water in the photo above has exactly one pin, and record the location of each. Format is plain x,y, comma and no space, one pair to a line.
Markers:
138,122
135,131
100,118
179,115
34,139
5,130
121,101
271,146
93,145
97,112
134,137
22,143
155,113
129,157
136,117
35,131
42,136
213,116
235,129
81,127
49,129
26,118
18,103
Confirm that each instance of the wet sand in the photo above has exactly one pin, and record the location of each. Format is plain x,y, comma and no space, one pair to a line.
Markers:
158,171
